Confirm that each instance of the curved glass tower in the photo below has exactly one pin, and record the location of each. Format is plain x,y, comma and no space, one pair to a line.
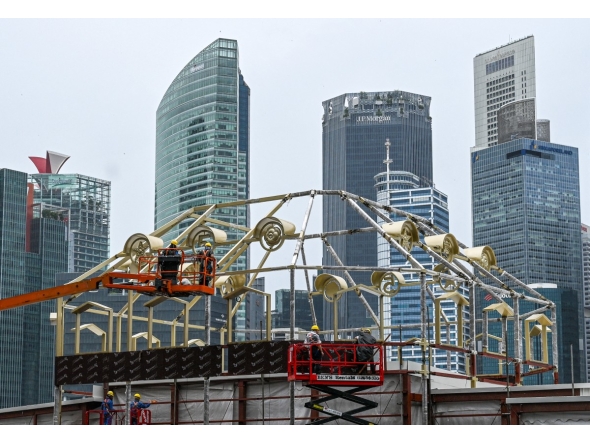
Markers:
202,154
202,138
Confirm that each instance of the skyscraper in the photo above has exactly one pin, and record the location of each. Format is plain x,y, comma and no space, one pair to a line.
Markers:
403,191
355,125
33,248
526,206
83,203
586,277
501,75
202,144
303,318
202,137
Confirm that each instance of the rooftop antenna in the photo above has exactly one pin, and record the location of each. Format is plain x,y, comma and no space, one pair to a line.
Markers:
387,161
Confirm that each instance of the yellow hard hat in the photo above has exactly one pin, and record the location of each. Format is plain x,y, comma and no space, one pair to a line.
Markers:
110,393
315,327
137,395
174,242
207,244
366,330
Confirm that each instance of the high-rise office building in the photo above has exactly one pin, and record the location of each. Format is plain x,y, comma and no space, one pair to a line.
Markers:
202,138
566,311
355,125
403,191
303,317
586,278
254,319
526,206
33,248
84,204
203,143
501,76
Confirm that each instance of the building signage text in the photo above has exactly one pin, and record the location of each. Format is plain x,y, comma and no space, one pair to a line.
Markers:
373,119
554,150
348,377
196,68
500,55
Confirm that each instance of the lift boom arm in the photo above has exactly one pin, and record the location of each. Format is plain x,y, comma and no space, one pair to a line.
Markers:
51,293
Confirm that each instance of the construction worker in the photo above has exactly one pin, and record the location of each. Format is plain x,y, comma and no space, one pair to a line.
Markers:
136,407
365,353
206,259
108,409
313,338
169,262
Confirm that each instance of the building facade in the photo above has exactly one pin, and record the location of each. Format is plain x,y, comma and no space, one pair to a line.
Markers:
586,277
354,127
202,138
526,206
566,311
203,144
84,204
303,317
32,251
501,76
403,191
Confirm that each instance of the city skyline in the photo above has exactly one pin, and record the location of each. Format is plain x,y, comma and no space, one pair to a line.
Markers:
122,101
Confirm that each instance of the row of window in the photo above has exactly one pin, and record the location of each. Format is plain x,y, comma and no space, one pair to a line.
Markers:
498,65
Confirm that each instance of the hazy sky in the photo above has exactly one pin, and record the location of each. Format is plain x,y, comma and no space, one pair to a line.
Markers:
90,88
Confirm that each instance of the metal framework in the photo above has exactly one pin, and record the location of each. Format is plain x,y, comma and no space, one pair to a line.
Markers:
458,266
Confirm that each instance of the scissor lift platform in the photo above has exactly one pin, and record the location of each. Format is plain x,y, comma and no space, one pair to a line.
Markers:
338,367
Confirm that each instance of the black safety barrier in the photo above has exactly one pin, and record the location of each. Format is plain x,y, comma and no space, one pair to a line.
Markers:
143,365
257,358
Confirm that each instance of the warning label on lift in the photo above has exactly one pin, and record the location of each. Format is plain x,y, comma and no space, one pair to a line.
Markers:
347,377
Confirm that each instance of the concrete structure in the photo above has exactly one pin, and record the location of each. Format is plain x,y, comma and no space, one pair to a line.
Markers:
354,127
33,248
502,75
526,206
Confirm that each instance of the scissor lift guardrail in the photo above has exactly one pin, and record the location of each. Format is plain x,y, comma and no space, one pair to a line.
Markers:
340,366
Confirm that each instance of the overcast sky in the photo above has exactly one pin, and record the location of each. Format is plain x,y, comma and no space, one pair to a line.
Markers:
90,88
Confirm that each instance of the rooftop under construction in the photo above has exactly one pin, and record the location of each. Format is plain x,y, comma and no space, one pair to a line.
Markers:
224,383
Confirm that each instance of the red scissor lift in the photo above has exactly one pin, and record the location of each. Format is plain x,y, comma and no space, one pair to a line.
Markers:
338,367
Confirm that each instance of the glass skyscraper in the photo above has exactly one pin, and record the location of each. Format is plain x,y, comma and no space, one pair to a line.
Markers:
526,206
202,144
202,137
403,191
355,126
84,204
33,248
303,318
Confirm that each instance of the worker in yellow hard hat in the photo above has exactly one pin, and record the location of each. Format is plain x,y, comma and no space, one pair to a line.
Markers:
313,338
108,409
169,262
136,407
207,263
